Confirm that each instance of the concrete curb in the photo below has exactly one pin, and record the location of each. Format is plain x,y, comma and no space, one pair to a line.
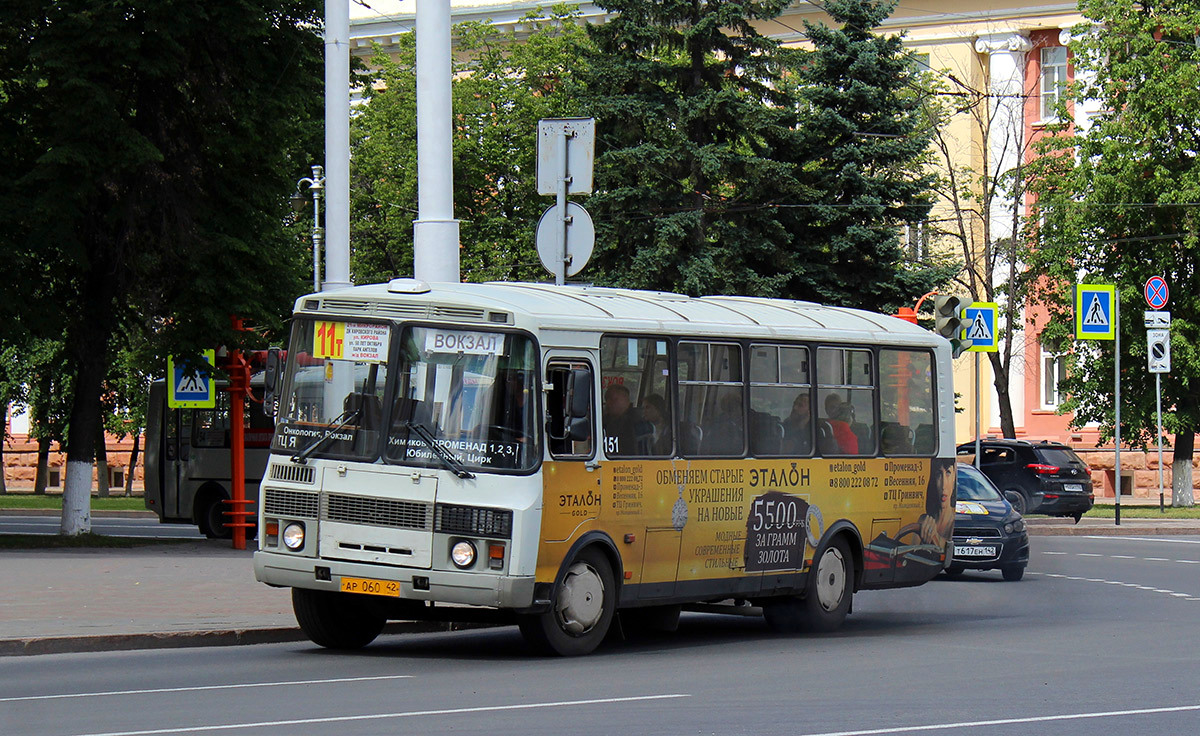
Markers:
182,639
1110,531
96,513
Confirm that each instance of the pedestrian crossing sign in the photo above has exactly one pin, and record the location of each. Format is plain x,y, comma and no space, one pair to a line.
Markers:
195,391
1095,317
980,328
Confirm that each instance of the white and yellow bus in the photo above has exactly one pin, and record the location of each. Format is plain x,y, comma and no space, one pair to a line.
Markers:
571,454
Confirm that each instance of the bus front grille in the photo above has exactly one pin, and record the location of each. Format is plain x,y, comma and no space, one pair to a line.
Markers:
376,512
292,473
290,504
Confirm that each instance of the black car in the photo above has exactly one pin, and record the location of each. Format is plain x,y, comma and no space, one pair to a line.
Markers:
988,533
1035,477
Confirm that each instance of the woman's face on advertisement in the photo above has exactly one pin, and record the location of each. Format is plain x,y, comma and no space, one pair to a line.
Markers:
947,485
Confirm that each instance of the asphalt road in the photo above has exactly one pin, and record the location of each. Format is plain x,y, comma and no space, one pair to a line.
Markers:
149,528
1096,638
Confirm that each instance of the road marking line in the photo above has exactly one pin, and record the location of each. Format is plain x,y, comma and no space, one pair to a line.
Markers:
1087,554
1145,539
1055,553
194,688
1116,582
1155,559
385,716
1188,562
1123,557
1008,721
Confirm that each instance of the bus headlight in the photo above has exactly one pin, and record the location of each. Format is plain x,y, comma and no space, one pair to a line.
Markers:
293,536
463,554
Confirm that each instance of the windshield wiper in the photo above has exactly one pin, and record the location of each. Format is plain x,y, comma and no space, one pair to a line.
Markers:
341,420
452,464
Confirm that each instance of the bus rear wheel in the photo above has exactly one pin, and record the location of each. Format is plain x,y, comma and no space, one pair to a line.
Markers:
337,620
582,610
827,594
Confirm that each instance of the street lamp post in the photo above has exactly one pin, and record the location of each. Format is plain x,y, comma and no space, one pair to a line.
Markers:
315,184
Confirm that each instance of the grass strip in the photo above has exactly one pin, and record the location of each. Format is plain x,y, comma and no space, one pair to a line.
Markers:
1108,511
79,541
30,501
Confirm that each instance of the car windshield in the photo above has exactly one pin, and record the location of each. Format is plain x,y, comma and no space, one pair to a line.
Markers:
471,392
973,486
332,402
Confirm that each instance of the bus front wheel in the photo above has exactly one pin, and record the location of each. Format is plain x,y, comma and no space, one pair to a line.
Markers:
826,598
582,611
337,620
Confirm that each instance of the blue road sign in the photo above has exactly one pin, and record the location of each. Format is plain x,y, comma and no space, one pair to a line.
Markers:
1094,316
1157,292
981,327
197,391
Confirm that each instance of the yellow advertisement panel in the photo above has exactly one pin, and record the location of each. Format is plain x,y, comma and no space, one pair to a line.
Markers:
686,521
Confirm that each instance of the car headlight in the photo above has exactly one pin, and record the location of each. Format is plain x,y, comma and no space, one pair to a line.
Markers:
463,554
293,536
1014,526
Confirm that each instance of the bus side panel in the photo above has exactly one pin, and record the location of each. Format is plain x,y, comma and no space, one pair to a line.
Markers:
705,527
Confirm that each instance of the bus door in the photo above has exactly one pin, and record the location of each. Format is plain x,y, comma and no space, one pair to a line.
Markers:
660,562
176,452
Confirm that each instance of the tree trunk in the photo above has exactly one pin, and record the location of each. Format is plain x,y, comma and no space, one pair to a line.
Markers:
85,426
42,475
101,463
1181,469
133,459
1008,427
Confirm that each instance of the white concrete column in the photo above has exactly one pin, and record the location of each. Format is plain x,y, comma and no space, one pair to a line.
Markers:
1006,141
337,144
435,231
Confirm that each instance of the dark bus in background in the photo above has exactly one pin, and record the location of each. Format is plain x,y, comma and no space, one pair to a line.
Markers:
187,458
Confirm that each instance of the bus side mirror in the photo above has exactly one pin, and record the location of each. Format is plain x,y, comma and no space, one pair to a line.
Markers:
271,381
579,405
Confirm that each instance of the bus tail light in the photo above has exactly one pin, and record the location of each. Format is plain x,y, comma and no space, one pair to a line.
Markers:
496,556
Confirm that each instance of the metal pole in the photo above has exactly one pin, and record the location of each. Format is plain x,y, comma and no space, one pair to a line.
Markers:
337,143
1158,406
435,231
1117,397
977,409
318,184
564,219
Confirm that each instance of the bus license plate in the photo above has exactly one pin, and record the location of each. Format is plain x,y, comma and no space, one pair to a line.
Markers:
371,587
961,551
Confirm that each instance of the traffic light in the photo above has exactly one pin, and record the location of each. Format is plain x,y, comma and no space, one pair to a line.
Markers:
949,323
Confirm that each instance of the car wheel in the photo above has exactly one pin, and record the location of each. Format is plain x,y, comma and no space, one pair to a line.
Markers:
337,620
1077,516
953,571
582,611
1017,500
1013,573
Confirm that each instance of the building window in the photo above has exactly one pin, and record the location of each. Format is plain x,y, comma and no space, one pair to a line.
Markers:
1054,80
1054,370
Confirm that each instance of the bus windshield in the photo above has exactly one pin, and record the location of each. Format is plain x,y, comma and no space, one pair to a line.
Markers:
472,392
332,405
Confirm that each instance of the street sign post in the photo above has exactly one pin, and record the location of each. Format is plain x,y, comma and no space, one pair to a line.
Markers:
1098,317
1158,354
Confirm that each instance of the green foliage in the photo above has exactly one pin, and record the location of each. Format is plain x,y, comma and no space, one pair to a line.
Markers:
727,163
502,87
1120,203
149,149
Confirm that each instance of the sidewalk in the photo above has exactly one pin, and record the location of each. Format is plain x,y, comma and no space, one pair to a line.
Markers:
204,593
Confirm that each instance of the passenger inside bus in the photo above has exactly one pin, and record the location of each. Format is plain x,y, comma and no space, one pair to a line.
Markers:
656,440
797,427
620,421
723,434
837,413
896,439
